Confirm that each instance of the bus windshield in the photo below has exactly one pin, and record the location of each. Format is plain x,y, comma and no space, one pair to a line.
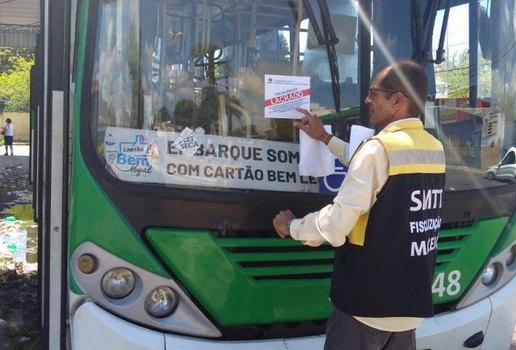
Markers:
200,94
180,89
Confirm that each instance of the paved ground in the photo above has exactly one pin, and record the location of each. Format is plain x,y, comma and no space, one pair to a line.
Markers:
19,150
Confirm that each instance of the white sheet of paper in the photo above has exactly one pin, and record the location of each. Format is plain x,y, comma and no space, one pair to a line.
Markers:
315,159
358,135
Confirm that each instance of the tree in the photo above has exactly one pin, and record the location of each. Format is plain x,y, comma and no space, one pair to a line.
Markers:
454,76
7,53
15,84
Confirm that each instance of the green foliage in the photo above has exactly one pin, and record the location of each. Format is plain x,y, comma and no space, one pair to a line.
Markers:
15,84
21,212
454,76
458,80
507,103
8,53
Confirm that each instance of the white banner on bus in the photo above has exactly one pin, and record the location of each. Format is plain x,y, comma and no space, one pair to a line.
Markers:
195,159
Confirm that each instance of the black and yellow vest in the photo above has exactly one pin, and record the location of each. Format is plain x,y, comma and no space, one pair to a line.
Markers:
386,266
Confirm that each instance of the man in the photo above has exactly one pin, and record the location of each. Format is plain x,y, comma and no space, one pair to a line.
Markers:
384,220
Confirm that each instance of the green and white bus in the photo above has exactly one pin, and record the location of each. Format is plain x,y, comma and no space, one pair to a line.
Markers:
159,165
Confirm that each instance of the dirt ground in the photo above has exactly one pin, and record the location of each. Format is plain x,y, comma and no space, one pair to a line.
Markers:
18,280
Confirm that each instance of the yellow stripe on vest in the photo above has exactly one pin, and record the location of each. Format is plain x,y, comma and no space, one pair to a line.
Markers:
357,234
417,168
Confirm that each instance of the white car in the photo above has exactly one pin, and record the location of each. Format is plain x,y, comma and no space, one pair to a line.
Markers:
505,170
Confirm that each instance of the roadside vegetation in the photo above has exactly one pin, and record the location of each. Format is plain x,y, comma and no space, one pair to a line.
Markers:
15,65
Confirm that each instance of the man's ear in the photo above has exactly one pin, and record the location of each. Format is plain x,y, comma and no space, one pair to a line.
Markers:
398,98
400,101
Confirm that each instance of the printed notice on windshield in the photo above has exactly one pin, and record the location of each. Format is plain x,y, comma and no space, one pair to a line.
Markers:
283,94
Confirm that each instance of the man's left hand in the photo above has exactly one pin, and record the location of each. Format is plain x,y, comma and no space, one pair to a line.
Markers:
281,221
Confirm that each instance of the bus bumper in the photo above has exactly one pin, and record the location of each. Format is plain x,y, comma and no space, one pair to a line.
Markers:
95,328
494,316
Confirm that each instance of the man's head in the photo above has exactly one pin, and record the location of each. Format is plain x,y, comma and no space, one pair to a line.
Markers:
398,91
8,120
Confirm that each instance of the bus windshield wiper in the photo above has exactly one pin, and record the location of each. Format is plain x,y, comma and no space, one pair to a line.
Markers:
329,38
423,29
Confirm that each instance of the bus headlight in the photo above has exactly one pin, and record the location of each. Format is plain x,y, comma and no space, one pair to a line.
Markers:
161,302
490,274
136,294
499,271
118,283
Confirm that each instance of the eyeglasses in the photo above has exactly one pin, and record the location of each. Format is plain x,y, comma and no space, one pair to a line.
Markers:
372,90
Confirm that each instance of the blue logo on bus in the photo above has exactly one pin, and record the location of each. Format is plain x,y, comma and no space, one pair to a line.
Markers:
331,183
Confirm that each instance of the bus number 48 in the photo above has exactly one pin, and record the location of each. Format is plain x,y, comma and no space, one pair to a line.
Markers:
452,287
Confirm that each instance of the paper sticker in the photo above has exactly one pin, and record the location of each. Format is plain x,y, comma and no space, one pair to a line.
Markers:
189,141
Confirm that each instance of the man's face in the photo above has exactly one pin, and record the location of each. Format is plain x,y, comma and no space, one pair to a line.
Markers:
379,101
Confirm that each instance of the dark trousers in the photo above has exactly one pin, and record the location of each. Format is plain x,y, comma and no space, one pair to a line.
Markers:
344,332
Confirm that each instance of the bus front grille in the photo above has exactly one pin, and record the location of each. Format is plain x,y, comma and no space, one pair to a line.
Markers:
450,245
263,259
267,258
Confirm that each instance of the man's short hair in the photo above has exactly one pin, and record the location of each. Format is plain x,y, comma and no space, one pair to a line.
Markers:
409,78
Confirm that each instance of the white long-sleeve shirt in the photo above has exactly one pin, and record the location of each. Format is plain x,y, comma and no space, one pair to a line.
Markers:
367,174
